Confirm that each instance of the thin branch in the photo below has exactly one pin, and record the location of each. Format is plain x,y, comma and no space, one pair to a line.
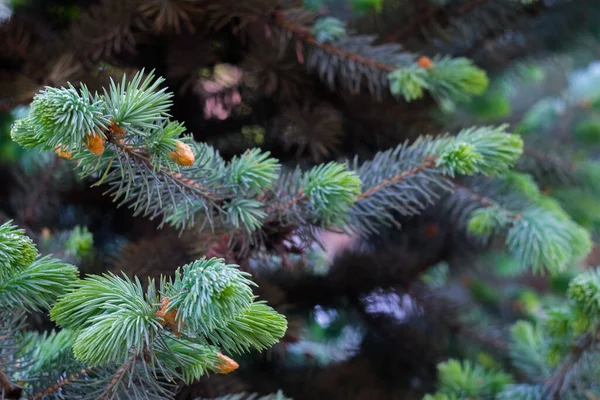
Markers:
56,387
484,201
118,376
303,34
6,387
557,382
428,163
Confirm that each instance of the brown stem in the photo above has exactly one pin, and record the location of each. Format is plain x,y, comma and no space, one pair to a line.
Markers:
7,388
428,163
118,375
303,34
176,176
484,201
56,387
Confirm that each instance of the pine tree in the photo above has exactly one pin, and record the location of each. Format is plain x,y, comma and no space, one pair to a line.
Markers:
380,122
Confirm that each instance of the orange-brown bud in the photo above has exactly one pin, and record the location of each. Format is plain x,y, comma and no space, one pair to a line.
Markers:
63,153
425,63
182,155
227,364
95,144
167,316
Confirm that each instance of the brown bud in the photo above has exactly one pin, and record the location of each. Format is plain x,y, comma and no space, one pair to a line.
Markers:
95,144
182,155
63,153
425,63
46,233
227,365
167,316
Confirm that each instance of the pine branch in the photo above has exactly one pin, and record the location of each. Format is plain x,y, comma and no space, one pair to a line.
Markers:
555,385
58,385
354,60
130,340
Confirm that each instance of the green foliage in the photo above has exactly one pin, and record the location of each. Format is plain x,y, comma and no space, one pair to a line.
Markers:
246,213
459,380
540,239
208,293
367,5
329,29
408,82
16,249
461,158
257,327
528,349
455,79
194,360
521,392
80,242
253,171
490,106
24,134
46,350
487,220
37,285
523,184
485,293
498,151
109,320
62,118
588,131
331,190
584,290
137,105
111,315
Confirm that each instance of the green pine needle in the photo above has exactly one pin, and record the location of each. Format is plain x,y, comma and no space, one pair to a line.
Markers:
37,285
138,104
331,189
329,29
247,213
16,250
208,293
253,170
258,327
64,117
584,290
193,360
99,295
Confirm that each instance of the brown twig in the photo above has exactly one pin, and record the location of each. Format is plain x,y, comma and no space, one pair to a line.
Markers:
56,387
7,388
303,34
428,163
118,375
484,201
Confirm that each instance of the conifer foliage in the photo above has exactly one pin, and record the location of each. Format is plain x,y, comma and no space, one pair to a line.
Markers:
117,340
233,139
